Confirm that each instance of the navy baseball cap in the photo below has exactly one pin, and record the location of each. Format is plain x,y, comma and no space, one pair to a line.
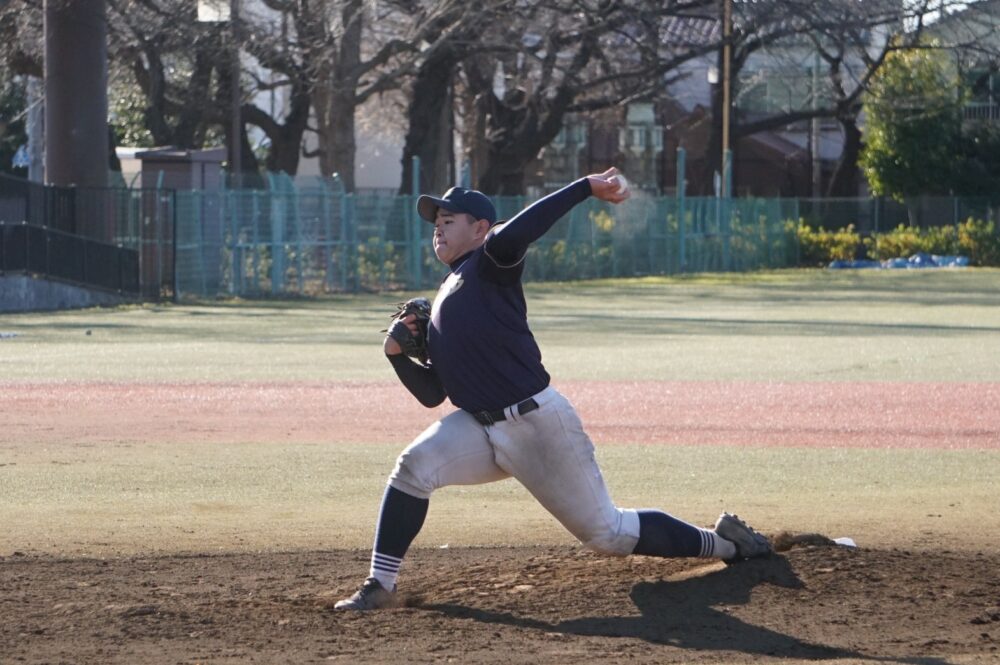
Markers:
458,199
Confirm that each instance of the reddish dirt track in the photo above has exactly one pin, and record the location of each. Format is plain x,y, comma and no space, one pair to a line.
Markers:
880,415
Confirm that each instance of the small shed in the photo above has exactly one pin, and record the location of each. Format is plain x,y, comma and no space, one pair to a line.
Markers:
172,168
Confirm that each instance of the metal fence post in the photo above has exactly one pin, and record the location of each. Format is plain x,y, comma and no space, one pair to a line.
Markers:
352,227
344,240
256,240
414,232
681,213
409,229
328,237
173,258
277,238
235,253
726,207
158,231
296,214
200,219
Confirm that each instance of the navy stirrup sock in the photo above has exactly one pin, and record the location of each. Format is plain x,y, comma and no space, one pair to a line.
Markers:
665,536
400,520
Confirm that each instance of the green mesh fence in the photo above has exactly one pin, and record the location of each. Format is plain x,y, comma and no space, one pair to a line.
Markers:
311,240
309,237
879,214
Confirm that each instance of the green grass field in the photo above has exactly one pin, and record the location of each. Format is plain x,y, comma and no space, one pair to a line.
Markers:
785,326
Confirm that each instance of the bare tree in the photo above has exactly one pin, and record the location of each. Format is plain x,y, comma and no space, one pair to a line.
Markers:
347,56
851,41
509,87
22,37
271,39
182,68
844,44
309,53
547,59
172,59
451,33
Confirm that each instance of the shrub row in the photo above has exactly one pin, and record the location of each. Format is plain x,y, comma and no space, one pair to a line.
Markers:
974,238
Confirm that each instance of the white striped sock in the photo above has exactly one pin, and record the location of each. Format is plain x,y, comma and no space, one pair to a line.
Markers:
715,546
385,569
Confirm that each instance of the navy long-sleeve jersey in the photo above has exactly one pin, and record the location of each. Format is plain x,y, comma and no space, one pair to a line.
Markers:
479,343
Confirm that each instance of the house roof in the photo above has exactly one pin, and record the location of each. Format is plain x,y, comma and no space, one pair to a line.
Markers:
691,30
704,29
976,25
776,143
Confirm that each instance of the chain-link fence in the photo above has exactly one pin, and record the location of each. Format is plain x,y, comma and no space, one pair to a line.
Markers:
880,214
310,236
306,241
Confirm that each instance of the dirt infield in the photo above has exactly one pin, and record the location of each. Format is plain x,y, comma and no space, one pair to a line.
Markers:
524,605
507,605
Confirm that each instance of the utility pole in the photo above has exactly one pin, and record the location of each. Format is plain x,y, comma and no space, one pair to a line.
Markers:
217,11
727,56
814,133
236,130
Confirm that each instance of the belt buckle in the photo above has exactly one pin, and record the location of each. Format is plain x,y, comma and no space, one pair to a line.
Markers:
485,418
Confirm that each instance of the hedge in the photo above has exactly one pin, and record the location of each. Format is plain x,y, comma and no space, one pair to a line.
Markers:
974,238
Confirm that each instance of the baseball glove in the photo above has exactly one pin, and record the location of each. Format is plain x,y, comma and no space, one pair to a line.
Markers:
413,345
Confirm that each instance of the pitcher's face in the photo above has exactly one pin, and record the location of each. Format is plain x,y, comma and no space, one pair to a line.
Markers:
457,233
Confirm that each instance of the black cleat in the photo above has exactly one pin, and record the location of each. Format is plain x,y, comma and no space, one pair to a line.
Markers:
749,543
371,596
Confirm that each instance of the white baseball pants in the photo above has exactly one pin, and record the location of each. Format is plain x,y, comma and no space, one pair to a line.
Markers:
546,450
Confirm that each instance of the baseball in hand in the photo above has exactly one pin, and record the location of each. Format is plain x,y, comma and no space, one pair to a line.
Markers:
620,181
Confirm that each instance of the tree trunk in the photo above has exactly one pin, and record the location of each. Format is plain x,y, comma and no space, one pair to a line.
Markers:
248,160
431,125
517,128
504,173
517,131
845,177
154,117
189,132
520,124
337,101
286,147
336,138
285,138
513,142
703,184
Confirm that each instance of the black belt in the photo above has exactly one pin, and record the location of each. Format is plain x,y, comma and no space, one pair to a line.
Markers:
490,417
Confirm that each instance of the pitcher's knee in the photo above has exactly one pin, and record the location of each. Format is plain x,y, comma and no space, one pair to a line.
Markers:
611,544
413,474
618,538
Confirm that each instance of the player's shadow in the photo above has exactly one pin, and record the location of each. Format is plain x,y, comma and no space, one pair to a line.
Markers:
685,612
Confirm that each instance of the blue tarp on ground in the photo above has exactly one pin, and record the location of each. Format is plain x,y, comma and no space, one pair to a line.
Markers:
920,260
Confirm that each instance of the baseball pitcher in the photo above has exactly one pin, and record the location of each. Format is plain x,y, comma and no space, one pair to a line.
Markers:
473,346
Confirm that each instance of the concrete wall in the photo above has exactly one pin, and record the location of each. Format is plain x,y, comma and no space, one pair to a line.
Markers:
20,293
